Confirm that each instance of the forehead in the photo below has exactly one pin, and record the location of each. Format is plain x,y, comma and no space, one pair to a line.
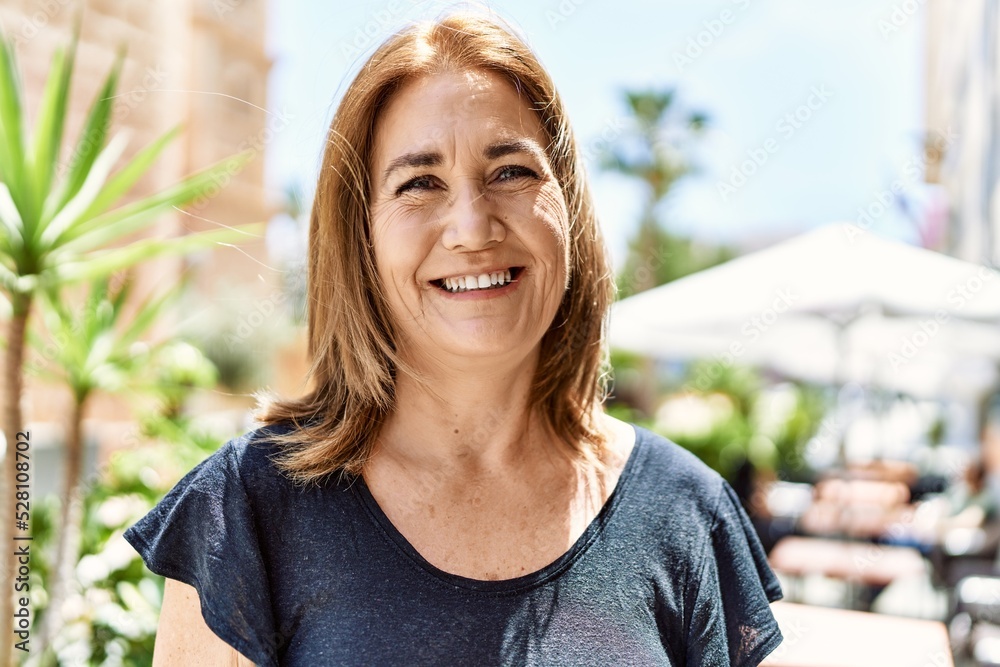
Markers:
438,112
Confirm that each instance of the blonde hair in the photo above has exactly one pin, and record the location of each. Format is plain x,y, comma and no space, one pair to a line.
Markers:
351,331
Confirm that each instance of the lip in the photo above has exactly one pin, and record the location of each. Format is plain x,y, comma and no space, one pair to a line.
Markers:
478,294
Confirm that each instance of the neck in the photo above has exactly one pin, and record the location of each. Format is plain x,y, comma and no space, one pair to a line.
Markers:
476,419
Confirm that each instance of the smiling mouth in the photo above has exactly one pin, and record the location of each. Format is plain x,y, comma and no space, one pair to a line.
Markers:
485,281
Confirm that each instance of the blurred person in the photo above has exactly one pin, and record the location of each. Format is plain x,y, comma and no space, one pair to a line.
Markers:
451,492
990,482
974,499
946,519
971,501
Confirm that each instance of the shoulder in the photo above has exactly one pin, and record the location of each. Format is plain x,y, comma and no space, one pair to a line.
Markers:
670,477
673,502
243,466
696,519
252,458
257,447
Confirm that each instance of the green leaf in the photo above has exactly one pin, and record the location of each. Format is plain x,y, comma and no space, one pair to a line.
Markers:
10,222
120,295
102,345
114,225
151,310
16,284
109,261
92,137
8,279
6,249
51,121
126,177
96,176
12,163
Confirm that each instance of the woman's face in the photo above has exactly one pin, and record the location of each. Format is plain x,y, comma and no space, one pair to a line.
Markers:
464,199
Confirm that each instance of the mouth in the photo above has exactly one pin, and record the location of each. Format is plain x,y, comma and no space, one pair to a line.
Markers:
481,282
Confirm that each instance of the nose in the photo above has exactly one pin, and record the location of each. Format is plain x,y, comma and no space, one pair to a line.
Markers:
469,222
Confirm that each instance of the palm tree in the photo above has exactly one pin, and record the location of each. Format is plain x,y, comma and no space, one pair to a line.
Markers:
655,151
61,230
96,349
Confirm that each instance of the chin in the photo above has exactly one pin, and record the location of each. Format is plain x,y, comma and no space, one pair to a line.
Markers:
473,343
483,350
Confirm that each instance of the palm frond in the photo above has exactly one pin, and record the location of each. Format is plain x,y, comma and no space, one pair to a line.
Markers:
51,120
91,141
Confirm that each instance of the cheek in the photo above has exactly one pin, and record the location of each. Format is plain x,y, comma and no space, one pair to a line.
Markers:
550,210
399,238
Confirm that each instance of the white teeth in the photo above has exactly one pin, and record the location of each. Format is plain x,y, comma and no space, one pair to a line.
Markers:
482,281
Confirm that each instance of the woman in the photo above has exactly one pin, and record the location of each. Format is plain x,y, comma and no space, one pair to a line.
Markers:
451,491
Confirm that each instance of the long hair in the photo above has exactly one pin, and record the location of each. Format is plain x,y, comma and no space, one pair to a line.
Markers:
354,360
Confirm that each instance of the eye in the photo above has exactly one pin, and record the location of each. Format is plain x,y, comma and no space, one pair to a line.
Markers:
416,183
514,171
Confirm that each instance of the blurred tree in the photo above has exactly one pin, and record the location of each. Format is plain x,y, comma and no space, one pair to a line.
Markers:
114,601
655,149
100,348
724,417
56,231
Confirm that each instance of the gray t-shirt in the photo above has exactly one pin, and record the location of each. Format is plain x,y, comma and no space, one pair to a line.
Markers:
670,573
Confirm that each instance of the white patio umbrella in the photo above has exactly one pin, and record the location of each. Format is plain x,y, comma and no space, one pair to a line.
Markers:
834,305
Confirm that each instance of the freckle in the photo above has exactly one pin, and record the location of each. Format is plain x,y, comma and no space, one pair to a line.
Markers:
456,431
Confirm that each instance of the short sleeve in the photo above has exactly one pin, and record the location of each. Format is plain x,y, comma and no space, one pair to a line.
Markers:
202,533
730,616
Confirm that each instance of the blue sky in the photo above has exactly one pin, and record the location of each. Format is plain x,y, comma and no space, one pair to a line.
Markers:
827,97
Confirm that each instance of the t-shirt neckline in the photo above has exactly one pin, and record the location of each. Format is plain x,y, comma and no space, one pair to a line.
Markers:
526,581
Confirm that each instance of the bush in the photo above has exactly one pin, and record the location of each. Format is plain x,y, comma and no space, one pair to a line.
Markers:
114,607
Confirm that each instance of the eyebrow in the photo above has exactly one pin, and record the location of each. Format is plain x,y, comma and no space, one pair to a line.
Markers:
504,148
419,159
494,151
